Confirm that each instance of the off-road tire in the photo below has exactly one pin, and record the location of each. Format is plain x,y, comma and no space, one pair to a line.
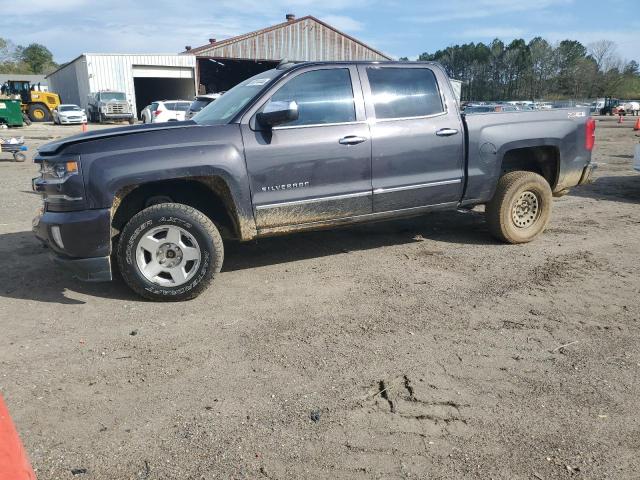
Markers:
39,113
26,119
172,214
500,210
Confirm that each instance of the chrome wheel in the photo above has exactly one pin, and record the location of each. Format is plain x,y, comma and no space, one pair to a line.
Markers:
168,256
525,210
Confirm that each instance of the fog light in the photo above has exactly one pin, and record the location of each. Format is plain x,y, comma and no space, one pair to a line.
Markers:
55,232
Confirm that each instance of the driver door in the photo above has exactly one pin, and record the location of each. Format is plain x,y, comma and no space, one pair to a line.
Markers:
316,168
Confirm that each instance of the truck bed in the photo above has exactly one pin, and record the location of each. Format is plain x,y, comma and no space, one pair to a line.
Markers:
491,135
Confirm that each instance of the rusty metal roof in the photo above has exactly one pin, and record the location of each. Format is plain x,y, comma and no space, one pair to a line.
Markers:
353,50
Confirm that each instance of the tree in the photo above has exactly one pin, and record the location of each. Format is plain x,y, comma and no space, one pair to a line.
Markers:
538,70
604,54
632,69
542,67
37,57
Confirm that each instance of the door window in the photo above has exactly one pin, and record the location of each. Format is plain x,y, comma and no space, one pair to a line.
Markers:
323,97
404,92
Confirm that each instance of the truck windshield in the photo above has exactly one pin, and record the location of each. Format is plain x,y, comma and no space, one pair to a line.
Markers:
229,105
107,96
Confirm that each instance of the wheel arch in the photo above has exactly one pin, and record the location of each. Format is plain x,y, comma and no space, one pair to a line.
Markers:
209,194
541,159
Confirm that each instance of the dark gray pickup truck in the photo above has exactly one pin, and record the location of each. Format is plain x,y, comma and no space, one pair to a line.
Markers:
303,146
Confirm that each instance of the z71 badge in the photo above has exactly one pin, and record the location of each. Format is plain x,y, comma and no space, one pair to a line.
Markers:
287,186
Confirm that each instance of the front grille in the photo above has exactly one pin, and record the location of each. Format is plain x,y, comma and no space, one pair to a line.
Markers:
116,109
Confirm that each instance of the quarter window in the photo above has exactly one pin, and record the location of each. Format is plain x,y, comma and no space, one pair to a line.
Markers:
404,92
323,96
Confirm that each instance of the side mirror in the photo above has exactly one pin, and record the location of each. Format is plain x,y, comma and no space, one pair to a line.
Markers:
277,113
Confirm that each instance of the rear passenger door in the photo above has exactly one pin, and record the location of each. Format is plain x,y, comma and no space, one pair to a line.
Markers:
417,137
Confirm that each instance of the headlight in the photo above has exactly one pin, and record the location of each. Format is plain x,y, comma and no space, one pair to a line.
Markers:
59,169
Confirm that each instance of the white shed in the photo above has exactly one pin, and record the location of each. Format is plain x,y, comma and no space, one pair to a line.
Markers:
144,78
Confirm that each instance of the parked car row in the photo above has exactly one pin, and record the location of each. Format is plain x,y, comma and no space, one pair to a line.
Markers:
111,106
495,107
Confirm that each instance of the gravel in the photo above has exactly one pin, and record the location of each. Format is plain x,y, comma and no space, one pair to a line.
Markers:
405,349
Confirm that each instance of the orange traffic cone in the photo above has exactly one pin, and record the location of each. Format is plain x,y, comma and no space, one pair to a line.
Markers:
14,463
636,127
84,127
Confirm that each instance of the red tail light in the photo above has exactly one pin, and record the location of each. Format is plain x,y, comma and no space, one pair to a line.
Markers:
157,112
590,134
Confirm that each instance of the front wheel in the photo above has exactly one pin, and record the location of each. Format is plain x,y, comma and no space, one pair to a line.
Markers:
170,252
521,207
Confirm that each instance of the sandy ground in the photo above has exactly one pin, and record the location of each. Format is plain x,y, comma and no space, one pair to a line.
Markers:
413,349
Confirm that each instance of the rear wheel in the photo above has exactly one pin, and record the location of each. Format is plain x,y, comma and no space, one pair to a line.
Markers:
39,113
521,207
170,252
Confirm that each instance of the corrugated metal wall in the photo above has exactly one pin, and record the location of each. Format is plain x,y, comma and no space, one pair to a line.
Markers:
115,72
67,82
306,40
94,72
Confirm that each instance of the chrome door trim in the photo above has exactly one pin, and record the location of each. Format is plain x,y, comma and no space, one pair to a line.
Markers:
316,125
314,200
413,187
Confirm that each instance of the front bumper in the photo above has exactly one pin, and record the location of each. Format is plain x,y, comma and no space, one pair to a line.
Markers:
73,121
117,116
80,241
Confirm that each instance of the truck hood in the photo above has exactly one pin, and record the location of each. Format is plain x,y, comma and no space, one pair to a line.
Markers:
56,146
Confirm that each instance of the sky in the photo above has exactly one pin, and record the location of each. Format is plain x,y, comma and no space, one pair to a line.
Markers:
398,28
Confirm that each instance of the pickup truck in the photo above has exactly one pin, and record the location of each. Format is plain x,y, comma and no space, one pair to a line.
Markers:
303,146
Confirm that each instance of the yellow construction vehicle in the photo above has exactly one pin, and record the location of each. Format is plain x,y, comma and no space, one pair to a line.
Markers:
36,104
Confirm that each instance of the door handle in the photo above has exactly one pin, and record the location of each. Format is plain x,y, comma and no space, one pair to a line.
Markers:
446,132
351,140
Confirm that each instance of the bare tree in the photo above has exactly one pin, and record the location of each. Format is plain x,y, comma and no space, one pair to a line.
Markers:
604,52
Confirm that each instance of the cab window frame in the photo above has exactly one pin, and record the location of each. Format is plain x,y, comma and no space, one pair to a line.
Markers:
356,88
371,102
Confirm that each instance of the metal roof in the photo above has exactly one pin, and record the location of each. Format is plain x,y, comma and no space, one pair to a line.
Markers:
34,79
305,38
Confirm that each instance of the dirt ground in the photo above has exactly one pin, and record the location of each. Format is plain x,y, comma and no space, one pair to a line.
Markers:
409,349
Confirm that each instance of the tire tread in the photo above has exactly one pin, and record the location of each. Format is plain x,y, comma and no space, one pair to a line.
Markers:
177,208
495,209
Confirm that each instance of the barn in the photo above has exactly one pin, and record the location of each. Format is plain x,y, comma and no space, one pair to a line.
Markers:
221,64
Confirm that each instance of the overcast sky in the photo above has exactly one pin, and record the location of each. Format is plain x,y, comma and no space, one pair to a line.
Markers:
399,28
